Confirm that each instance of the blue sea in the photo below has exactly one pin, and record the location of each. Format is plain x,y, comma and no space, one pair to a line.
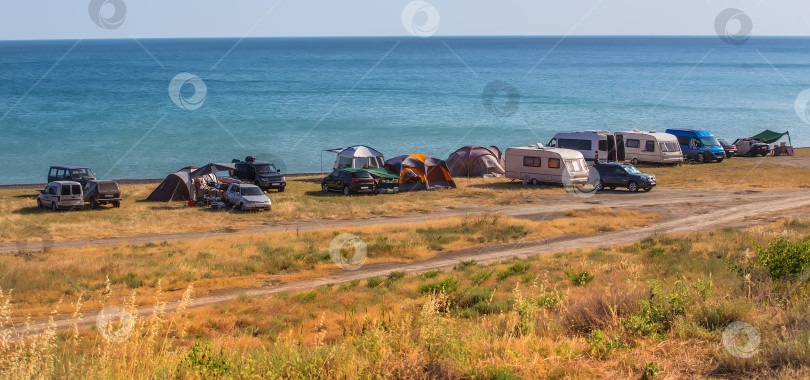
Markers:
106,103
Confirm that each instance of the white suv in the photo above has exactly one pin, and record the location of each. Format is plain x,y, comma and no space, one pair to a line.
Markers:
61,195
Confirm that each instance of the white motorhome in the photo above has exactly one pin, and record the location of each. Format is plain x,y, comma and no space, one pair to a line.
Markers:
656,147
535,164
595,146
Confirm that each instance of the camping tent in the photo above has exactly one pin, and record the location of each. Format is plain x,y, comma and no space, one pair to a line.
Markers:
176,187
357,156
769,137
420,172
476,161
179,186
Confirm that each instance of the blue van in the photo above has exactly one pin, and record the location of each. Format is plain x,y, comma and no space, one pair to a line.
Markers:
700,146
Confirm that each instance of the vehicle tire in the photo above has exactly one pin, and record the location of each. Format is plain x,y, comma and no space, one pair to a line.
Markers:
535,182
701,158
599,186
116,204
242,207
324,188
634,161
647,188
93,203
39,204
763,154
346,191
281,189
719,160
632,186
54,208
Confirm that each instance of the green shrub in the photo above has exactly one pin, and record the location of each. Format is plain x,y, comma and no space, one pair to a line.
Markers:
462,265
650,370
431,274
373,282
393,276
448,285
780,260
579,278
549,300
656,315
480,277
205,361
600,345
514,269
306,296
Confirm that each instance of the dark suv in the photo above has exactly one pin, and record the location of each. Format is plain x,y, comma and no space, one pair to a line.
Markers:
349,181
99,192
617,174
80,174
265,175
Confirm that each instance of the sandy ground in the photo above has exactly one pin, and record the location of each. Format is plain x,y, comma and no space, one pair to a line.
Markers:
682,211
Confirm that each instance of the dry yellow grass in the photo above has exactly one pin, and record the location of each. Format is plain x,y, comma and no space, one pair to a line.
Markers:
249,260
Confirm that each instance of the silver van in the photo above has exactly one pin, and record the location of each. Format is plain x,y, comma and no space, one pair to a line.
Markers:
61,195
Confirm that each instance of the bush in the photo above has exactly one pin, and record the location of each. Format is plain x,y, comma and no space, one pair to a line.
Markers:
579,278
657,314
514,269
780,260
432,274
462,265
393,276
306,296
480,277
448,285
600,345
373,282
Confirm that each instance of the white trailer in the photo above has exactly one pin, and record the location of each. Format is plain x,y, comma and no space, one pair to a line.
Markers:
535,164
655,147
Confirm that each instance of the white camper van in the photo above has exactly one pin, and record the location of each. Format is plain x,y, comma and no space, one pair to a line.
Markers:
534,164
595,146
656,147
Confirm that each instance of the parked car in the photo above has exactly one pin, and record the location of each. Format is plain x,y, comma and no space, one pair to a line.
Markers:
535,164
265,175
751,147
99,192
656,147
59,195
349,181
700,146
616,174
80,174
731,150
595,146
246,197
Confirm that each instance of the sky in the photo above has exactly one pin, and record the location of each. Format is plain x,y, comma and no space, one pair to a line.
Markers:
71,19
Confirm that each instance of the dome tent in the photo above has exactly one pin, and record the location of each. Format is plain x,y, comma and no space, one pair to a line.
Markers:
358,157
476,161
420,172
176,187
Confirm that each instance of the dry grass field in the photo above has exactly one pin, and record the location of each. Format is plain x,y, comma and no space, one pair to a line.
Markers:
658,308
20,220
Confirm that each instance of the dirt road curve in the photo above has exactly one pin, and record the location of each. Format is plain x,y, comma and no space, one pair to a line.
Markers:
550,206
676,223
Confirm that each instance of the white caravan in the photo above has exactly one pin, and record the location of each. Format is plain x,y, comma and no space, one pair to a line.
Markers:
535,164
595,146
656,147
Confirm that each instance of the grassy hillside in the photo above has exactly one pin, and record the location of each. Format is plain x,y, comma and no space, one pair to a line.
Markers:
654,309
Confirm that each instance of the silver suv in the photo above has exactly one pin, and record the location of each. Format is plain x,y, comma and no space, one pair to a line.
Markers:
61,195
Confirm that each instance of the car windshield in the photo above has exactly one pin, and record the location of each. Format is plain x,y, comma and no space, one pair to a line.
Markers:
81,174
265,168
251,191
709,141
632,170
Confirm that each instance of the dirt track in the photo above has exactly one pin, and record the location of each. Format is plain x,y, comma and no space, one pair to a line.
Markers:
658,200
719,209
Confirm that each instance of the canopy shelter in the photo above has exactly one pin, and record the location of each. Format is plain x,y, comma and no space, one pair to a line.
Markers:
769,137
377,172
476,161
357,156
176,187
420,172
211,169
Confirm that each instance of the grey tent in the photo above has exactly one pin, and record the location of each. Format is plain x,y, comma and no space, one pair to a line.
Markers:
476,161
176,187
357,156
211,169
